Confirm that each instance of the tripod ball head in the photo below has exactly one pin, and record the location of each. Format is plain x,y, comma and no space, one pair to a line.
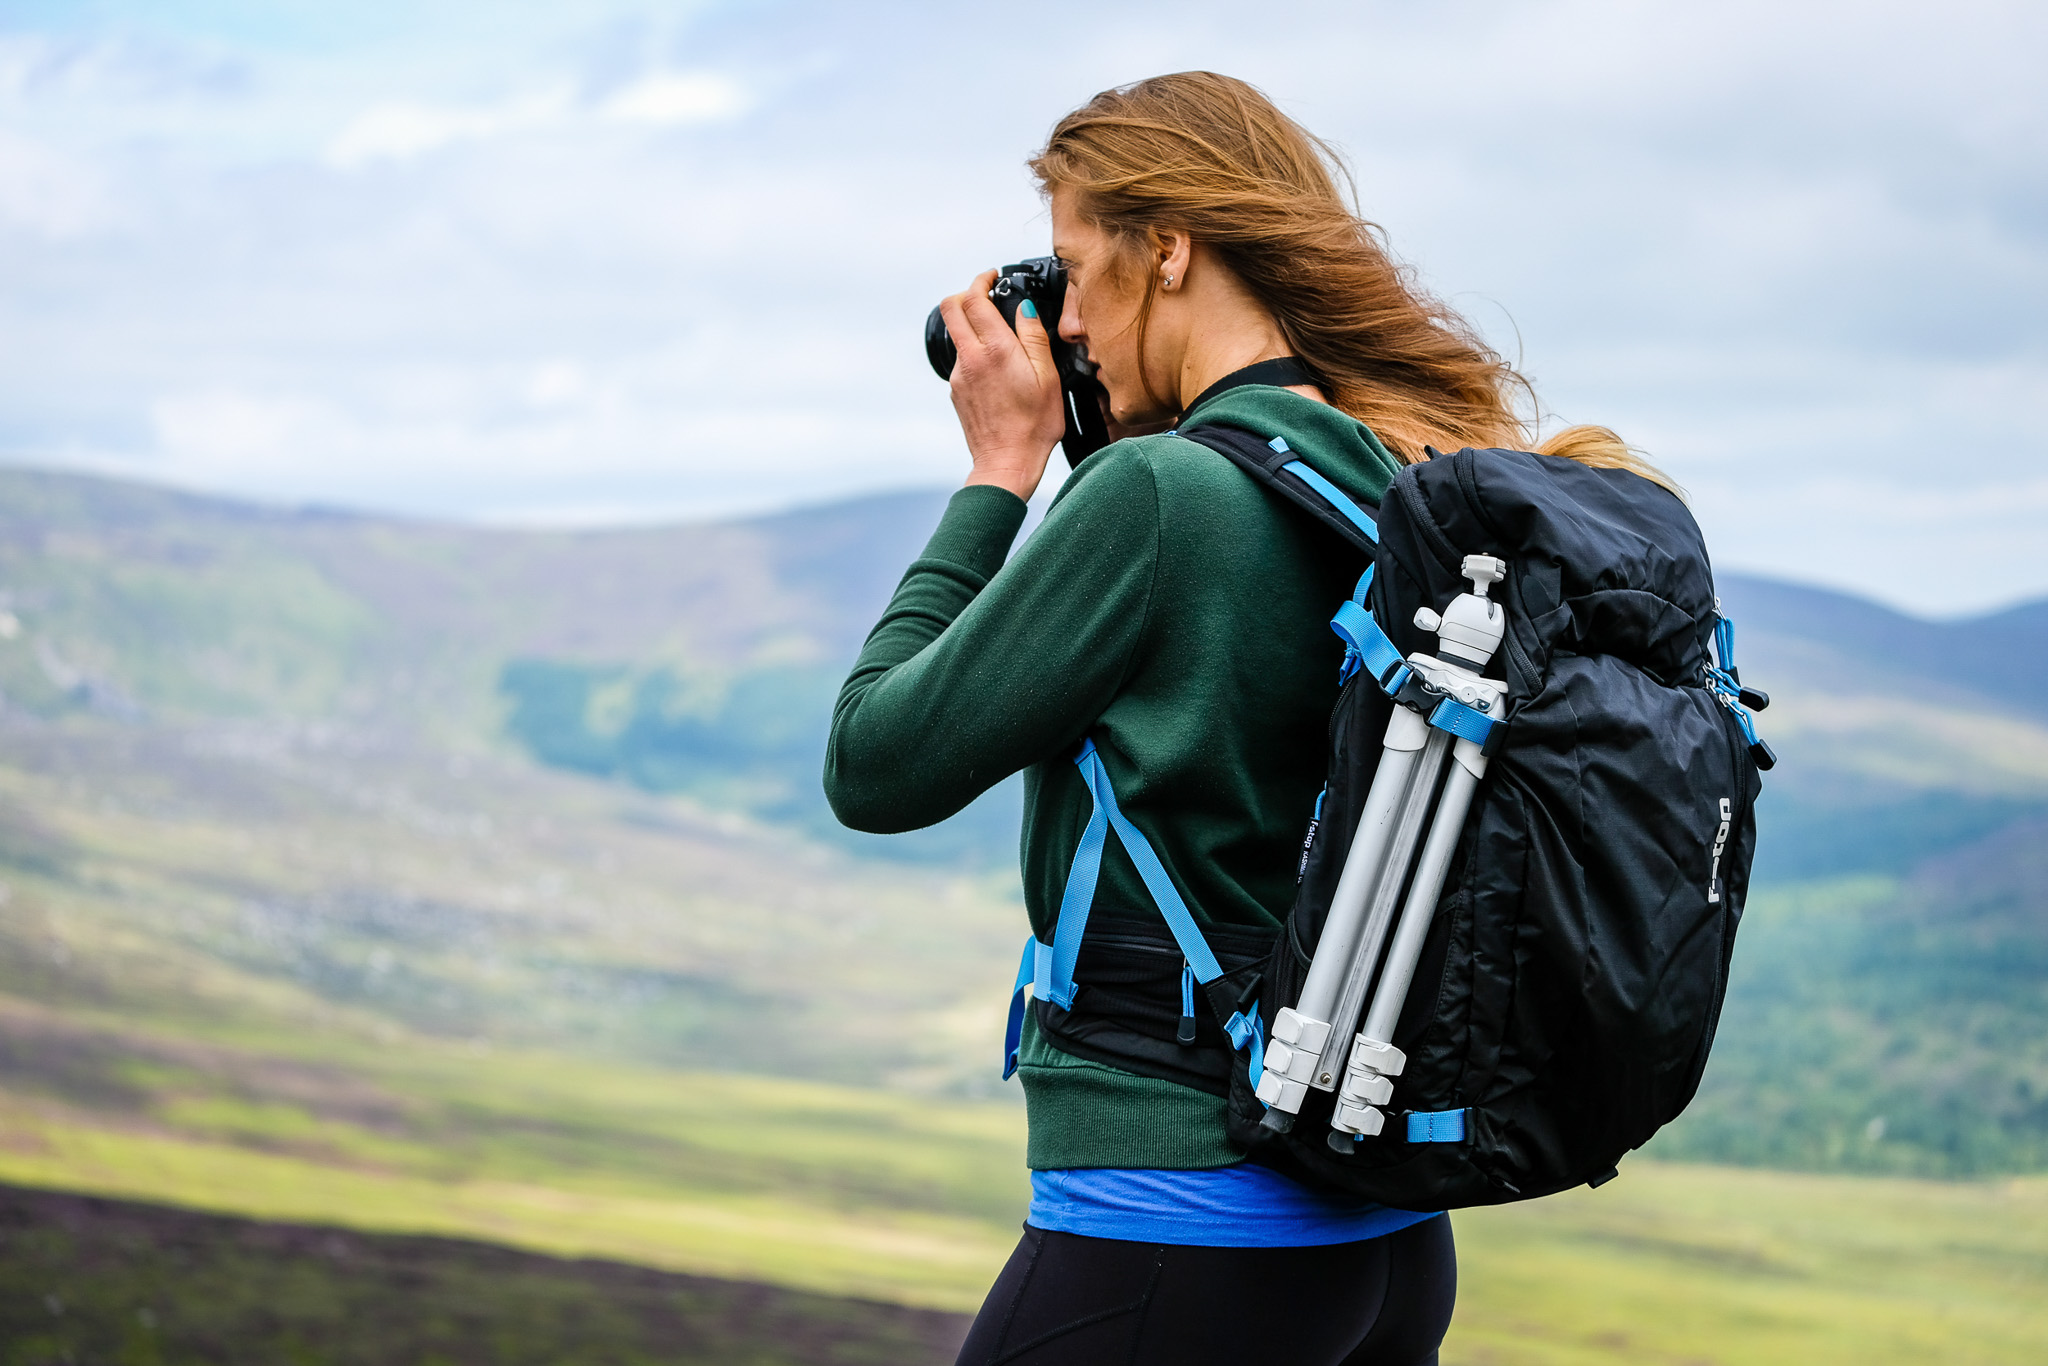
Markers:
1470,629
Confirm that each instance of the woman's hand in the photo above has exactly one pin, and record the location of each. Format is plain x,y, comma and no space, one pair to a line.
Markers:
1006,389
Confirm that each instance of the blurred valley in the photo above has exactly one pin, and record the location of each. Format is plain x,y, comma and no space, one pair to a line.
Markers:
478,882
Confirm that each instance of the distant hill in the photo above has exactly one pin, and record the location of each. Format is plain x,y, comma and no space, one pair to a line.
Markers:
689,670
1902,737
699,659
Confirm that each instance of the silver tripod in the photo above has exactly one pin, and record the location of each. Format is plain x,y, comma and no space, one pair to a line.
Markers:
1417,799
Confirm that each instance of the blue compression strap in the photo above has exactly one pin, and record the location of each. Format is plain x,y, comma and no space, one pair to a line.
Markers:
1013,1032
1436,1126
1175,911
1462,721
1187,992
1249,1032
1080,894
1049,971
1364,639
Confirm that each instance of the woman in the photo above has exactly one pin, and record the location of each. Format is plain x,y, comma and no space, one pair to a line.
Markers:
1175,613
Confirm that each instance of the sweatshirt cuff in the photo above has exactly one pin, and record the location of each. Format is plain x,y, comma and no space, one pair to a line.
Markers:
980,523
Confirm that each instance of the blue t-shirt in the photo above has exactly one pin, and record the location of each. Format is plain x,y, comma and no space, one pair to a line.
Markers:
1242,1206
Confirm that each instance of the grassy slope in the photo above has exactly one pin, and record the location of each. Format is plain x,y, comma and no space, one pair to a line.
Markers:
255,878
1681,1264
245,969
163,1038
826,1188
87,1280
1671,1264
298,937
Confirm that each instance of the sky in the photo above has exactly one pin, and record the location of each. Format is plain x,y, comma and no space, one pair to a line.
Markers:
585,263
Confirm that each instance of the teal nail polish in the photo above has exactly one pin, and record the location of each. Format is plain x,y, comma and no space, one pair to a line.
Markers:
1028,309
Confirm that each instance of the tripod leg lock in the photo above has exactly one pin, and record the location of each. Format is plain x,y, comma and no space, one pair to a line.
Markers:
1370,1055
1280,1093
1366,1088
1292,1052
1298,1031
1357,1119
1367,1085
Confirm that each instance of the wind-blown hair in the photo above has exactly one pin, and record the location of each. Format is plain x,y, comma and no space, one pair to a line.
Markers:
1212,156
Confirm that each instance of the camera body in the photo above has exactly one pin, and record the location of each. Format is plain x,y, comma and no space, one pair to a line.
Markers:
1042,280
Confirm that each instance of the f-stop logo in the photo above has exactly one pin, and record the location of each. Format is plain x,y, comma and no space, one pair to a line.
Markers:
1720,843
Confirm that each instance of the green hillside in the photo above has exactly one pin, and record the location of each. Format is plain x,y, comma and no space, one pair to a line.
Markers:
476,883
687,672
1888,1005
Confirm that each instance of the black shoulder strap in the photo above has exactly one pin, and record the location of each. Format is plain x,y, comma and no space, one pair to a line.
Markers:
1287,474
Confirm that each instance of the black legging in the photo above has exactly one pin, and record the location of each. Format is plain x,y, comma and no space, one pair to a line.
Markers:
1066,1300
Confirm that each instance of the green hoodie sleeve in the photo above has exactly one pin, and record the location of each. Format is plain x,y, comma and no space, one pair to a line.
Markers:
979,669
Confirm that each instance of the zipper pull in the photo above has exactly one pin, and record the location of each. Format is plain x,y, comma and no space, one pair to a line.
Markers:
1186,1032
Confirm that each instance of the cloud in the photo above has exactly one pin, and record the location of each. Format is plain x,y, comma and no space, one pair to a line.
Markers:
401,130
670,99
46,191
604,256
227,432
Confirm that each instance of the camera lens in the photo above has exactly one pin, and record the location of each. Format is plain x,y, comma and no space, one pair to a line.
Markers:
938,345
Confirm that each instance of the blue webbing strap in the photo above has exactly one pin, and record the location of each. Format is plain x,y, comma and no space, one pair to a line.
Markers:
1331,494
1079,896
1248,1032
1365,643
1150,870
1462,721
1436,1126
1050,971
1013,1032
1367,646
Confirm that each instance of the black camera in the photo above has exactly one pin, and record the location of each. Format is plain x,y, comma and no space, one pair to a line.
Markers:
1043,280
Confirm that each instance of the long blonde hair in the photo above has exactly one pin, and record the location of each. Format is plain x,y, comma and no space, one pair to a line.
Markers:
1212,155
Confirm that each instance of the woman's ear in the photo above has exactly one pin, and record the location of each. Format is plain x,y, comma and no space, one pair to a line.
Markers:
1173,249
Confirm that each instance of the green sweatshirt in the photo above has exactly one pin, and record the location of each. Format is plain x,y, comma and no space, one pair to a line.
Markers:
1177,612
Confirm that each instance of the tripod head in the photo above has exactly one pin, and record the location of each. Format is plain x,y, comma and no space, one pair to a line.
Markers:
1469,631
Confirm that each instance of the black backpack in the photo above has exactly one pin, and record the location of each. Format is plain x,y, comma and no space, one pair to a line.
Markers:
1570,984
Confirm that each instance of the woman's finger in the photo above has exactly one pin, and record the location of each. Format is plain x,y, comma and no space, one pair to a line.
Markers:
952,310
982,315
973,330
1037,345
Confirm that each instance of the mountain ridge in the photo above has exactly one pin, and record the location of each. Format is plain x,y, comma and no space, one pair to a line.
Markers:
633,680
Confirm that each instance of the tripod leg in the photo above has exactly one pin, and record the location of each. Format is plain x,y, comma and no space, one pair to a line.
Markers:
1304,1032
1386,899
1374,1059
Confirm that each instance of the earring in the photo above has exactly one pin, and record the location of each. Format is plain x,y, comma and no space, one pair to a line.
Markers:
1169,282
